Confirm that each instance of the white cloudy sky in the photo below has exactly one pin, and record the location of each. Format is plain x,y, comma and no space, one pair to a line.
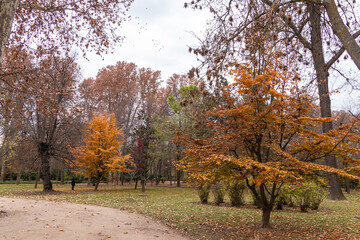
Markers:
157,37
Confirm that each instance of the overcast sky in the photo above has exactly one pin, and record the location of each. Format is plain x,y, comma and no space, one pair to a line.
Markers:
157,37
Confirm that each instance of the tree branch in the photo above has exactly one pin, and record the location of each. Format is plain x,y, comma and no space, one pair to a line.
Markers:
339,53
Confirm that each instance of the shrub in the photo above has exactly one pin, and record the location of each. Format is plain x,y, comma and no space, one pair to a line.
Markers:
235,190
282,198
204,191
309,195
218,191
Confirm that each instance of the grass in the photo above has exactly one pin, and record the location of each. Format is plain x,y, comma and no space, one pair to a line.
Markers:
180,209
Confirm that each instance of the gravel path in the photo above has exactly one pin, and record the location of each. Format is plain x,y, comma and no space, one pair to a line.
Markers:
24,219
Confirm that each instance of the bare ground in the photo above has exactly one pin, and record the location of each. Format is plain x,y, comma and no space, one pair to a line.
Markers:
33,219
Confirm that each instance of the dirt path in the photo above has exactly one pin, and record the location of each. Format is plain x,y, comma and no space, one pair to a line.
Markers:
33,219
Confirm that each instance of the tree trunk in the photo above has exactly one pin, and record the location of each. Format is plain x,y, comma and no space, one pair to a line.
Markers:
158,174
62,173
37,178
170,176
143,185
7,13
45,166
265,219
89,181
157,180
178,177
136,183
97,184
18,177
62,176
3,169
29,176
342,32
347,184
323,89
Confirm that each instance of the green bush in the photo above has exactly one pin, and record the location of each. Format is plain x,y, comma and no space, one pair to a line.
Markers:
308,195
204,191
282,198
218,191
235,190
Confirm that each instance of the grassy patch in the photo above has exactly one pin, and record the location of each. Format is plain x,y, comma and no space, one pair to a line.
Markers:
180,208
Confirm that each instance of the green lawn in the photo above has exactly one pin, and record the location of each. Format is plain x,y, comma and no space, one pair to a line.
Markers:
180,208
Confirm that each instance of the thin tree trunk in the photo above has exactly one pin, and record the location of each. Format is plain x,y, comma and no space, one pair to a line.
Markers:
178,177
18,177
323,89
37,178
142,185
62,176
347,184
89,181
7,13
123,179
97,184
158,174
170,177
136,183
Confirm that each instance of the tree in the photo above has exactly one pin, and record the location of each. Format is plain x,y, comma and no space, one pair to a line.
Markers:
188,114
264,135
87,24
143,136
116,90
252,29
101,152
44,93
342,32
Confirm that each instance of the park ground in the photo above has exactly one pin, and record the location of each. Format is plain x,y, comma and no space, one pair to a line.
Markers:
170,213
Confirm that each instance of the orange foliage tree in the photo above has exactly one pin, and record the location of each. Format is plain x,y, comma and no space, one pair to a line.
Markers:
264,135
101,152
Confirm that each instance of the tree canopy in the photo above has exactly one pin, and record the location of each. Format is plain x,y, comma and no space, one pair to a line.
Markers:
101,152
265,134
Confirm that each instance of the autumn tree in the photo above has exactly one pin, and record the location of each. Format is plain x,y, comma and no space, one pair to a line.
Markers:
128,92
50,25
101,152
304,31
9,124
143,136
264,135
44,91
116,90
